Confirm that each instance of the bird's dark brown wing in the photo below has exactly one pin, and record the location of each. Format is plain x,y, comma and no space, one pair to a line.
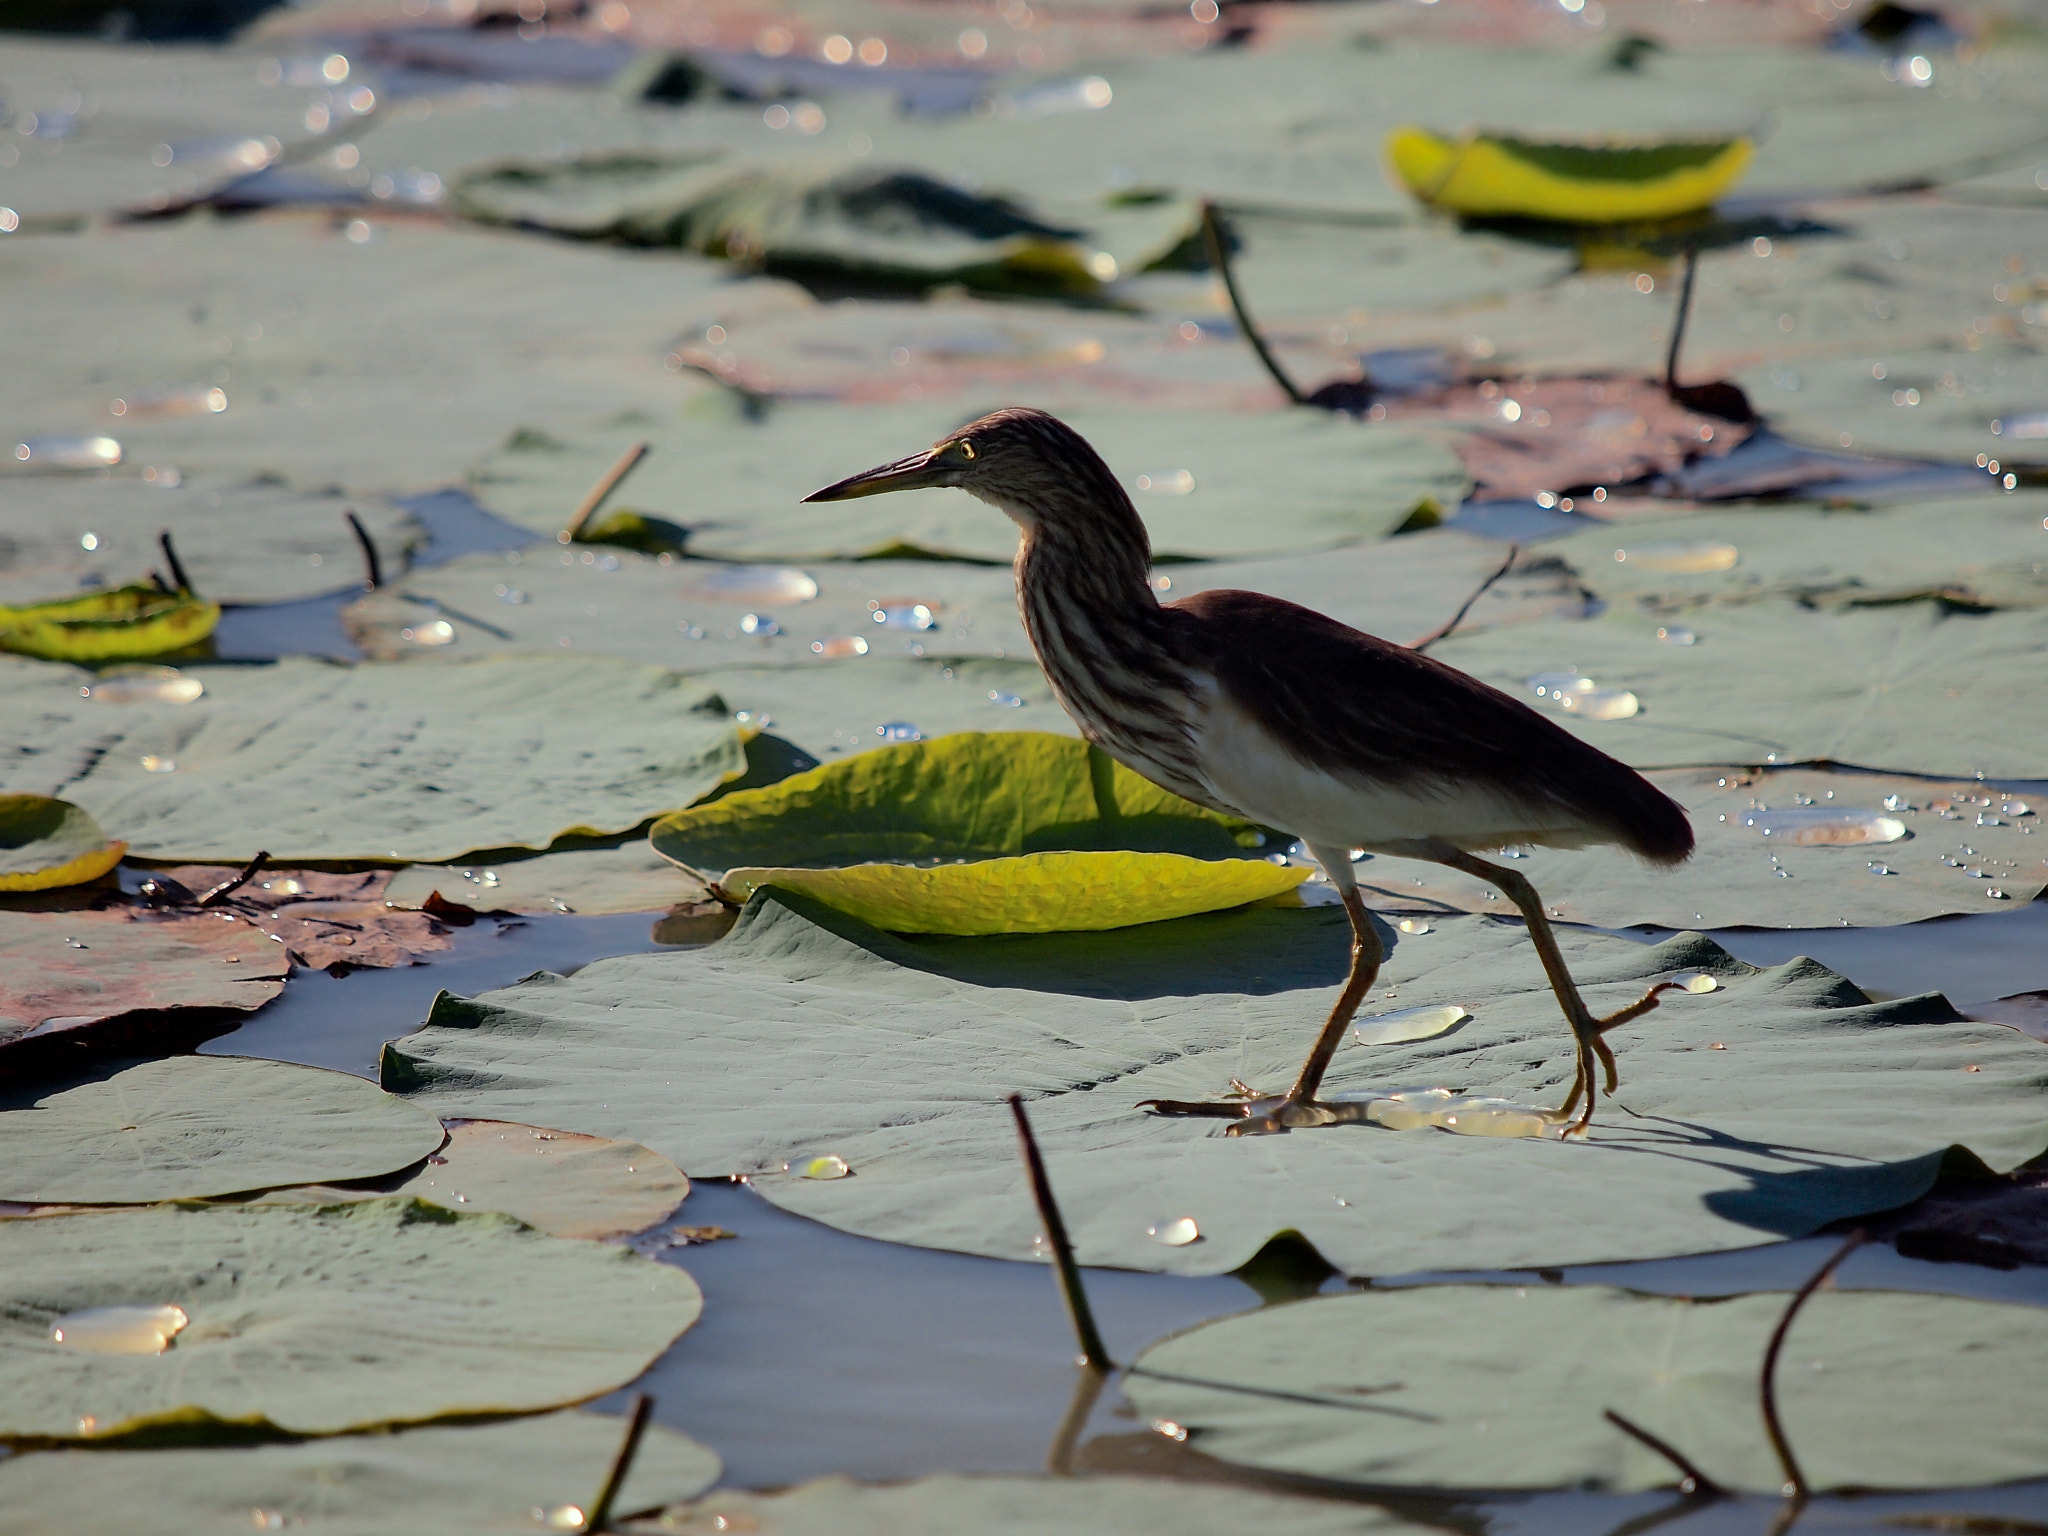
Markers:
1349,702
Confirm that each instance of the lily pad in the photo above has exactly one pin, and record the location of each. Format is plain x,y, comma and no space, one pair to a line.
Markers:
1256,482
558,1181
123,624
1032,893
66,969
426,759
803,1031
477,1480
632,878
1497,176
1977,551
243,541
1498,1387
1794,848
322,918
201,1125
47,843
1914,688
975,795
314,1321
1029,1506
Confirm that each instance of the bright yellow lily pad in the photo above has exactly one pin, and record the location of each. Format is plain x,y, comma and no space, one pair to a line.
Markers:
1492,175
46,843
1033,893
123,624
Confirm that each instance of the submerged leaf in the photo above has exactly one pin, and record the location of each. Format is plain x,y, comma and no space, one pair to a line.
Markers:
729,1058
1500,1387
314,1321
974,795
46,843
1031,893
1497,175
121,624
558,1181
476,1480
201,1125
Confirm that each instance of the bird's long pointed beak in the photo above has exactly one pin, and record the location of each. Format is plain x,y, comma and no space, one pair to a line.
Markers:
904,475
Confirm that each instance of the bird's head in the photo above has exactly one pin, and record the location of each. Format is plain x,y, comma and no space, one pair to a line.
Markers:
1031,465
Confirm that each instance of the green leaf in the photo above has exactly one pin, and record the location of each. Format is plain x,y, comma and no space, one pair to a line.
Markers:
975,795
803,1032
201,1125
1030,1506
426,759
477,1480
1262,481
1812,875
564,1184
314,1321
46,843
631,878
122,624
1497,1387
1913,688
69,969
1494,175
1032,893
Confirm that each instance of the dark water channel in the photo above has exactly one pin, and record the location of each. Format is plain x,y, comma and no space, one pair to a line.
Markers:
820,1352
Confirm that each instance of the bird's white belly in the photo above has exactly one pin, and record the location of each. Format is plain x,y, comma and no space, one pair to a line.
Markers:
1249,770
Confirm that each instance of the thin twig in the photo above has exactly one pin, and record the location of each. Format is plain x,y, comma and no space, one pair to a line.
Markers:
1219,258
1443,632
1692,261
228,887
607,483
601,1511
373,568
1059,1460
1691,1480
184,582
1795,1479
1093,1354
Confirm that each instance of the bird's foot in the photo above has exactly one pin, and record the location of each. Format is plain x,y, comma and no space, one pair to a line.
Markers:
1594,1051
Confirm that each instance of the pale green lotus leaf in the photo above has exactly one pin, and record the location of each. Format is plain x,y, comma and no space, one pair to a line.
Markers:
46,843
976,795
476,1480
1031,1506
805,1034
60,970
380,367
1985,550
424,759
564,1184
629,878
1913,688
689,613
241,541
1876,851
314,1320
1500,1387
209,107
1030,893
190,1126
1258,482
1935,400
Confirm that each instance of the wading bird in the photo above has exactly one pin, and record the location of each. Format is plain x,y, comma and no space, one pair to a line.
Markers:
1265,710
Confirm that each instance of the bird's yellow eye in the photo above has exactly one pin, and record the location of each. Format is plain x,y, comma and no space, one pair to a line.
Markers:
966,449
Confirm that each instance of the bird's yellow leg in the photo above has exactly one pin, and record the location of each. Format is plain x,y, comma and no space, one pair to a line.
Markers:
1299,1107
1586,1029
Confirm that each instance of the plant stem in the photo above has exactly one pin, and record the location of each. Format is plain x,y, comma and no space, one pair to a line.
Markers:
1692,261
1093,1354
601,1511
1219,259
1443,632
606,484
227,888
1795,1479
182,582
373,569
1692,1481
